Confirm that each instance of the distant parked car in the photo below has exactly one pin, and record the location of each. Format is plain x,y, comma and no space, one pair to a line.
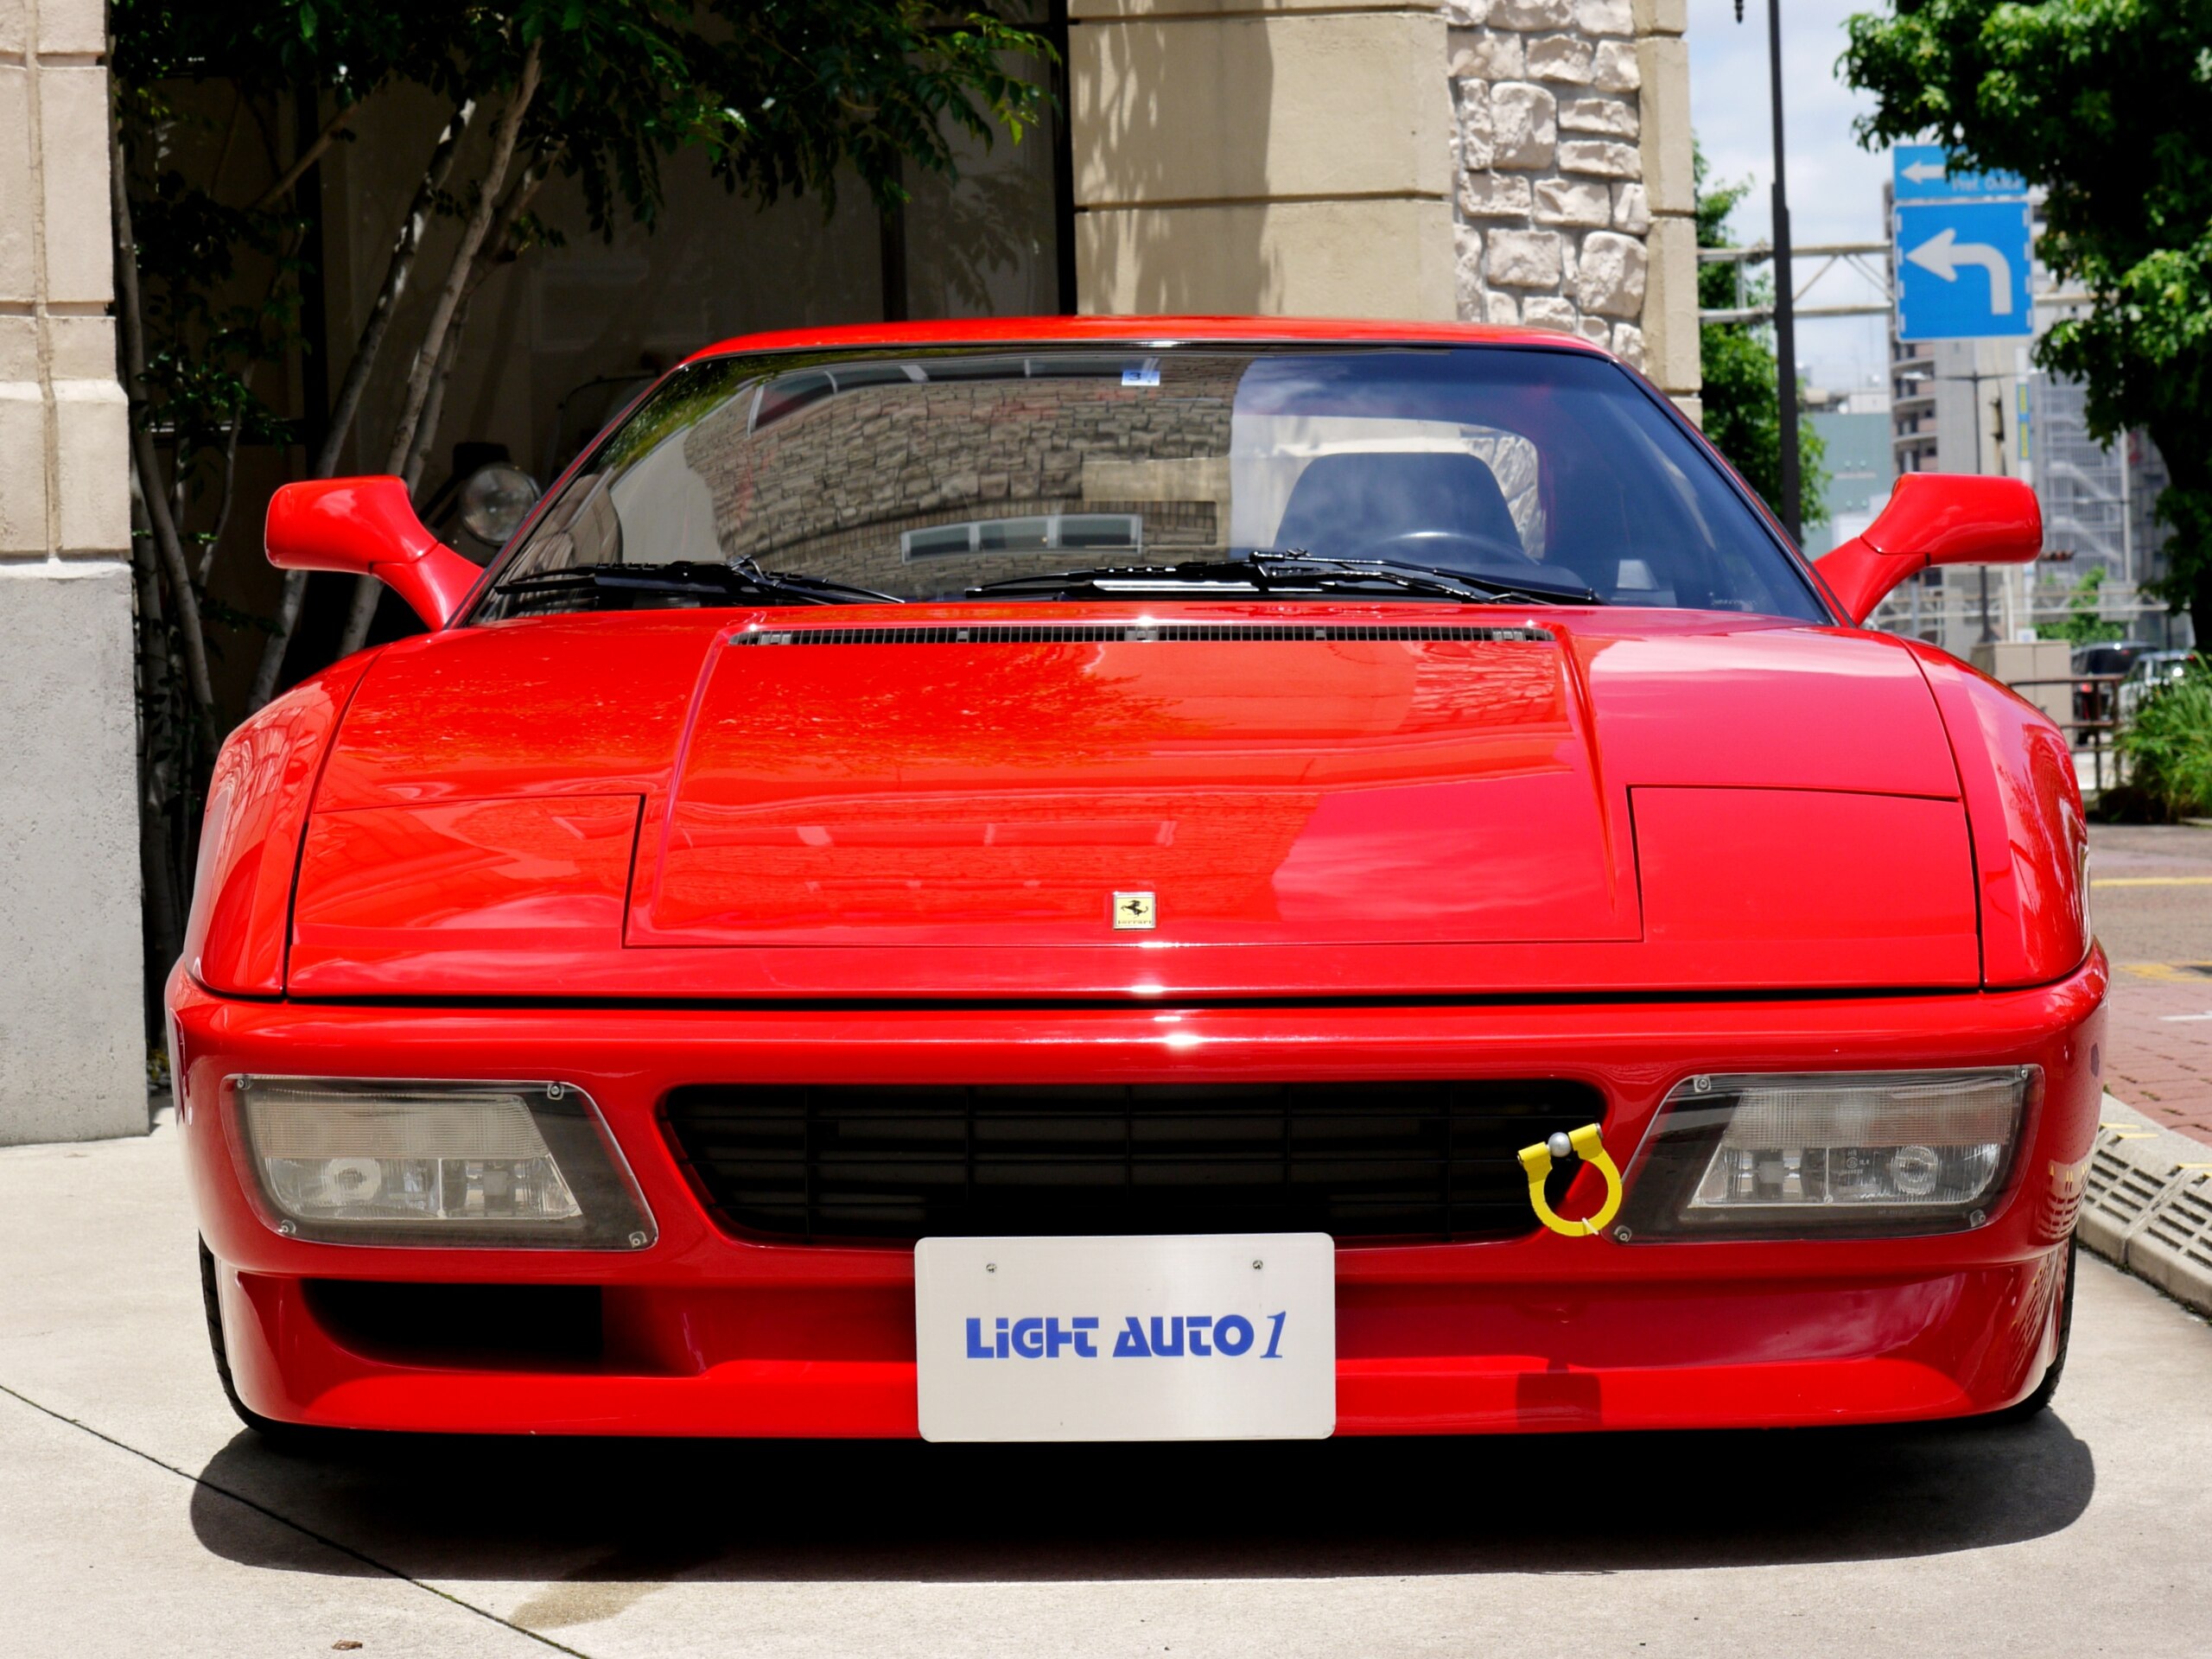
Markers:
2152,670
2093,700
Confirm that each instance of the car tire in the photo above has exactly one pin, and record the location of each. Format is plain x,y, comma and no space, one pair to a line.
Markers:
289,1437
2040,1402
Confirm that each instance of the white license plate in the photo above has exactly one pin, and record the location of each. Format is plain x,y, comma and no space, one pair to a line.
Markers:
1210,1337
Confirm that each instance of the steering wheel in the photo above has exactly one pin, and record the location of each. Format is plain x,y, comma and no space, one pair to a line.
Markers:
1453,549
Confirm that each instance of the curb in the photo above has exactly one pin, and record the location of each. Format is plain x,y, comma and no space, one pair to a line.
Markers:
2146,1203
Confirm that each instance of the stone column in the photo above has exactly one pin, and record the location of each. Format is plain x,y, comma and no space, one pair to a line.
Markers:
1290,157
71,1048
1571,147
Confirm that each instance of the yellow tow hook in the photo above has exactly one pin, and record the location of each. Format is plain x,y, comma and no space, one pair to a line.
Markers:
1588,1145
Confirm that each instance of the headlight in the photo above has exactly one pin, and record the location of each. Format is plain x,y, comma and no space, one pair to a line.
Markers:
525,1165
1820,1154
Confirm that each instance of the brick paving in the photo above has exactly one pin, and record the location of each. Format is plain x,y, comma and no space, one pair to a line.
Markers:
2151,895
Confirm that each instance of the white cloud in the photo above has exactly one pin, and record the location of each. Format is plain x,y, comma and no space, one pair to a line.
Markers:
1836,186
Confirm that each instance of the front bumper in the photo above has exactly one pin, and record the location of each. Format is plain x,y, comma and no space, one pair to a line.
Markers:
705,1333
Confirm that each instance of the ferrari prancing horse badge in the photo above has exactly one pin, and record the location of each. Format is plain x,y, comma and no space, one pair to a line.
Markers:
1136,910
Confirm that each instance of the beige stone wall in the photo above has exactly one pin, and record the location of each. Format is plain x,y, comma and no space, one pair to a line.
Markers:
1291,158
1517,160
62,431
72,1057
1570,149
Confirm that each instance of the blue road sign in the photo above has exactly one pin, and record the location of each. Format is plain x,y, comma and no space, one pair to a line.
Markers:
1962,270
1921,172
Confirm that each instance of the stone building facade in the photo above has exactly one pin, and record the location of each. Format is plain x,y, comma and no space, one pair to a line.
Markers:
1571,151
72,1057
1512,161
1494,159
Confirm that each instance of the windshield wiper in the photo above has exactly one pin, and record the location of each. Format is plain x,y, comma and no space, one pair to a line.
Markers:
1268,573
797,582
738,578
1410,573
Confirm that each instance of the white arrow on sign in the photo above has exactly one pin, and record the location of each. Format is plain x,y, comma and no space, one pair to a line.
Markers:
1921,172
1943,253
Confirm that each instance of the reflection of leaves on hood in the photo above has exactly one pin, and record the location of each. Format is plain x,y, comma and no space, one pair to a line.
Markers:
686,399
1464,687
889,713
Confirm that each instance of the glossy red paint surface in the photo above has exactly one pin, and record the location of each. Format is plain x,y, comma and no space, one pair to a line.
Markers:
621,852
367,527
945,820
995,797
2031,850
709,1333
1710,880
505,875
1015,331
258,799
1935,518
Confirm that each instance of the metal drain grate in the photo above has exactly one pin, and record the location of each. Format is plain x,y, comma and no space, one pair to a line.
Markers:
2119,1193
2182,1225
2148,1206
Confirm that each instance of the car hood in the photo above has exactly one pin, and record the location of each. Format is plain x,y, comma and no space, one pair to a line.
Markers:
1088,800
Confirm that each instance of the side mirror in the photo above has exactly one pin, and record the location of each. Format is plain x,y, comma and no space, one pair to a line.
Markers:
367,527
1933,518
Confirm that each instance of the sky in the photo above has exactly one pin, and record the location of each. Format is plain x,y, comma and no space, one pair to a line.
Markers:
1836,186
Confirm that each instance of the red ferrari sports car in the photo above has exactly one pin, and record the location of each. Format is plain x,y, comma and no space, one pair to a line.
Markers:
1140,879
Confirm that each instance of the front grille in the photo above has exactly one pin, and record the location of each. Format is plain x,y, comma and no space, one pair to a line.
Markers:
1395,1160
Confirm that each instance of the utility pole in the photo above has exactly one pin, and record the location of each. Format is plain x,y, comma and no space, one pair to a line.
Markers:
1785,320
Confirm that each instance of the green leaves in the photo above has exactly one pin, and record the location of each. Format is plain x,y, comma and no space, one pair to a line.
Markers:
2105,104
781,95
2168,746
1743,406
2083,624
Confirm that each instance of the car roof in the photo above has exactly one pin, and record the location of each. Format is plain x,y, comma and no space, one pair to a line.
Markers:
1148,331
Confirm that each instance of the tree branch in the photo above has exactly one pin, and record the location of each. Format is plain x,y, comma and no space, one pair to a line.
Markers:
405,246
230,492
307,158
432,351
511,207
504,136
167,542
426,432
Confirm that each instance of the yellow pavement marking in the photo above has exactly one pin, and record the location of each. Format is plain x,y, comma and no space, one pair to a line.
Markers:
2179,974
2152,881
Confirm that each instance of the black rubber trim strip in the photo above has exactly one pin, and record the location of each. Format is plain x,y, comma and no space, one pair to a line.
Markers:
1117,1001
1036,633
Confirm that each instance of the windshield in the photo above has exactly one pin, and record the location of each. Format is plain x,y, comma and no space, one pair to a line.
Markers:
942,473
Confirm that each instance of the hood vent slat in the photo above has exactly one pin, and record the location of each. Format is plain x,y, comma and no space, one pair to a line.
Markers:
1042,633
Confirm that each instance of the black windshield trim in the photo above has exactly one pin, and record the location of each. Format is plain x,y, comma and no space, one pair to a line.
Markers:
466,614
1055,634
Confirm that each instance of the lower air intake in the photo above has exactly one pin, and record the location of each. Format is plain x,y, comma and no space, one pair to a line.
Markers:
1359,1160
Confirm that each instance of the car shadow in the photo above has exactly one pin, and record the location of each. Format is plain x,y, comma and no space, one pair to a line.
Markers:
631,1511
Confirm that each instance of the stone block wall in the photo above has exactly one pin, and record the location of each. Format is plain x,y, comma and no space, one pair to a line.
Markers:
1571,153
71,1049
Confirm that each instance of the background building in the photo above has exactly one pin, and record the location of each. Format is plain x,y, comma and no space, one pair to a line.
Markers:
1855,427
1981,406
1511,161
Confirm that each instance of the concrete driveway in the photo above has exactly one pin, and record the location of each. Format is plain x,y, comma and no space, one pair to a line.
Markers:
136,1518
